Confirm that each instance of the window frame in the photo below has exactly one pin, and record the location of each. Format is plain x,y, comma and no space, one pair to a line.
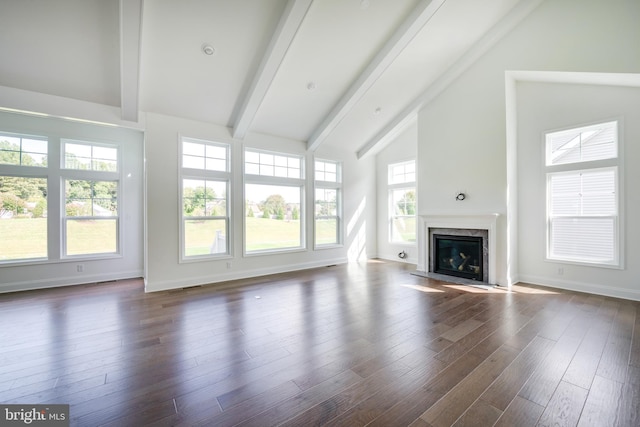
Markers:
29,172
91,175
614,164
270,179
21,151
328,185
403,184
188,173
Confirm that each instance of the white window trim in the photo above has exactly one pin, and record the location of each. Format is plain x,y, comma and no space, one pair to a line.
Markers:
391,209
273,180
317,184
396,164
617,164
408,185
212,175
90,175
54,130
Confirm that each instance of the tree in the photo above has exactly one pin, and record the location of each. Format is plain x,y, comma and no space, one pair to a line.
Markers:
25,188
81,196
40,209
11,203
407,204
195,199
295,214
15,192
275,204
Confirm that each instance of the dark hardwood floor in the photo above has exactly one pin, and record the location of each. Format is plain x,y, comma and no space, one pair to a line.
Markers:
350,345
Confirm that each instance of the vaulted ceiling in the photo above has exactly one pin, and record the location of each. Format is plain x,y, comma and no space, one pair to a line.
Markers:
348,73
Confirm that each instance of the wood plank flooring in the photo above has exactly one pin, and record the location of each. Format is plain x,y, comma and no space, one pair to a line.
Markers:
359,344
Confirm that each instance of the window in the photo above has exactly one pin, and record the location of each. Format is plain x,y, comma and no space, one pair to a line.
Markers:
91,185
582,195
205,214
23,218
83,156
91,217
274,208
328,203
23,197
402,173
23,151
402,202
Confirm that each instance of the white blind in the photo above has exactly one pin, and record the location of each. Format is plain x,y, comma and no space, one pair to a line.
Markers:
582,194
583,215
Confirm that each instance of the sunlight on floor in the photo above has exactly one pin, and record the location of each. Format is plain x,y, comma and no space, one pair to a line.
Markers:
422,288
526,290
478,290
515,289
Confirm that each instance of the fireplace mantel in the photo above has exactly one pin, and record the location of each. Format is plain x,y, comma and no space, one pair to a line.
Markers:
481,222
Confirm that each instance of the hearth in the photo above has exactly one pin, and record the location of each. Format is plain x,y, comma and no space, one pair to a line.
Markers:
471,229
460,256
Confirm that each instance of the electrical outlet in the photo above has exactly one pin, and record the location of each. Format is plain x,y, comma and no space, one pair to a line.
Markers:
228,264
560,271
80,268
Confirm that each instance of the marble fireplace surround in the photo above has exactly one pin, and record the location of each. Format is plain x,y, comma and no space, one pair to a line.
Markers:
457,221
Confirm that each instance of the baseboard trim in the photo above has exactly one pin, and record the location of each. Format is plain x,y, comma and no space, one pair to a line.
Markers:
591,288
57,282
247,274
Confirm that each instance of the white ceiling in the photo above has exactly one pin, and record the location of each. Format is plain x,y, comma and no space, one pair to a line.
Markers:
370,63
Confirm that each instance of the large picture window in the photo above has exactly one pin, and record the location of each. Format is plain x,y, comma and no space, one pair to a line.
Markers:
65,188
274,207
328,203
91,183
205,215
23,197
91,217
402,202
23,218
583,195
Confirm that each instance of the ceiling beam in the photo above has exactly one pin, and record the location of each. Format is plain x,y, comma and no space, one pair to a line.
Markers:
130,36
486,42
392,48
290,21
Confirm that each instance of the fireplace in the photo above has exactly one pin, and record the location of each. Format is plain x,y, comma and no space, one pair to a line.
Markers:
459,256
446,237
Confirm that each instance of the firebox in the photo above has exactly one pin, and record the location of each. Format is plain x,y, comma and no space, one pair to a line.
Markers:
459,256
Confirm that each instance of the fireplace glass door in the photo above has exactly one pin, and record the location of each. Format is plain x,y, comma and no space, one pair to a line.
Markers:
459,256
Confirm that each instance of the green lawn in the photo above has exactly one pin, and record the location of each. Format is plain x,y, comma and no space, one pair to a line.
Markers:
29,236
264,233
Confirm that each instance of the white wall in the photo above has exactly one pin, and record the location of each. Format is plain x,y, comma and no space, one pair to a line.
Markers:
462,132
403,148
164,271
56,271
544,107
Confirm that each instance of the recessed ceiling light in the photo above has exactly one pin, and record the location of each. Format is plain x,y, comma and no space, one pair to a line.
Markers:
377,110
207,49
364,4
311,86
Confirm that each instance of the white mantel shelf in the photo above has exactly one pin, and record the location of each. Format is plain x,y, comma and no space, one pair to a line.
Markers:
456,220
